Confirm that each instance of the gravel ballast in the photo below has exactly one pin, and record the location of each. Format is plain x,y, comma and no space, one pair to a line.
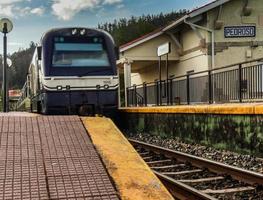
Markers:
248,162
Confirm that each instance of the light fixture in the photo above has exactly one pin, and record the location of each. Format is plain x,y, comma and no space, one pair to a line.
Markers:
98,87
59,87
83,32
106,86
74,31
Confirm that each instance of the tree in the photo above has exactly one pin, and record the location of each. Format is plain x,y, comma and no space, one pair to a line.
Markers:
125,30
21,61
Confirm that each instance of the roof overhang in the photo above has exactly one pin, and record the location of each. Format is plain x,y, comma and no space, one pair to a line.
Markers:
141,41
176,23
207,7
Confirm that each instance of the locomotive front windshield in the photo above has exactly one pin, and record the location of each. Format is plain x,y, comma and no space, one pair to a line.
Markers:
79,52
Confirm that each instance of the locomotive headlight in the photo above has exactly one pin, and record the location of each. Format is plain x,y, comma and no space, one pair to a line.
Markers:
59,87
74,31
106,87
83,32
98,87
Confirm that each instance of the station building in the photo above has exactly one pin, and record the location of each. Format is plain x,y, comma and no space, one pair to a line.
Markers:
221,33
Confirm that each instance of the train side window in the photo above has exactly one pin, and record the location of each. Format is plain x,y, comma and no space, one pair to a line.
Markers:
39,53
117,53
37,61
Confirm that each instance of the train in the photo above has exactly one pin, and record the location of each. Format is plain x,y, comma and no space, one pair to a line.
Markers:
73,71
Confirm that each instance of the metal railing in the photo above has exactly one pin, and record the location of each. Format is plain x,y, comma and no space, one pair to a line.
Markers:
25,93
242,82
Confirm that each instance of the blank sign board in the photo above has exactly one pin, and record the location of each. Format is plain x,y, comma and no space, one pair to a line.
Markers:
164,49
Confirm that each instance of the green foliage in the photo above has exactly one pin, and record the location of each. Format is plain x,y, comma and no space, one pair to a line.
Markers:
21,61
125,30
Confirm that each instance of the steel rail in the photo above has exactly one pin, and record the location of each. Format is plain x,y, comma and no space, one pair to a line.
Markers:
181,190
243,175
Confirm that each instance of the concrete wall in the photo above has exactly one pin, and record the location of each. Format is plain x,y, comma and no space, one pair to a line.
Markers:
147,51
148,74
196,61
240,133
136,79
194,58
237,48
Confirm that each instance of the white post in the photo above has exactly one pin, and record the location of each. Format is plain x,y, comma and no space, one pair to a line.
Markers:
119,88
213,49
127,79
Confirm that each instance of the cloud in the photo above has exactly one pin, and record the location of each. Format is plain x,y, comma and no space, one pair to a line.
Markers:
11,8
120,6
38,11
15,44
111,1
3,2
6,10
21,11
7,7
67,9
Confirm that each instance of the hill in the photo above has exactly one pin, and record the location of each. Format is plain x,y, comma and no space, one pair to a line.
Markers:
125,30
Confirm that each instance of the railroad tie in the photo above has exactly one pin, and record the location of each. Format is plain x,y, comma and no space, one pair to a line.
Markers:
168,166
159,161
201,180
183,172
229,190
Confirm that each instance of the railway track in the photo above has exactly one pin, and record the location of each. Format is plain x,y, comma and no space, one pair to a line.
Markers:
190,177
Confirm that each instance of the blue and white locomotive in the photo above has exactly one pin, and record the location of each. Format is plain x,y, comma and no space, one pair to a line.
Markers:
73,71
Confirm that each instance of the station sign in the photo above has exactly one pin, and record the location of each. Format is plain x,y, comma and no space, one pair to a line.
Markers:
239,31
164,49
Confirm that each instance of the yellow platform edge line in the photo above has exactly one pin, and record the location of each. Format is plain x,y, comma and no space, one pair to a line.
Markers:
224,109
134,180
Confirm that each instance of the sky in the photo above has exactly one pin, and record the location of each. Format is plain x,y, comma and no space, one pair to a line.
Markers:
32,18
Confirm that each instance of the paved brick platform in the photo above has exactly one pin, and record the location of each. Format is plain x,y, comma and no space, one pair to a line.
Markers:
50,157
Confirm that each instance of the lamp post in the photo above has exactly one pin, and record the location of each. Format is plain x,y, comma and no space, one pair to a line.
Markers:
6,26
9,64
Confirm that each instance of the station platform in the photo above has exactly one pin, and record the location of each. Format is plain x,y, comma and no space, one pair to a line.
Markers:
133,178
224,109
53,157
50,157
